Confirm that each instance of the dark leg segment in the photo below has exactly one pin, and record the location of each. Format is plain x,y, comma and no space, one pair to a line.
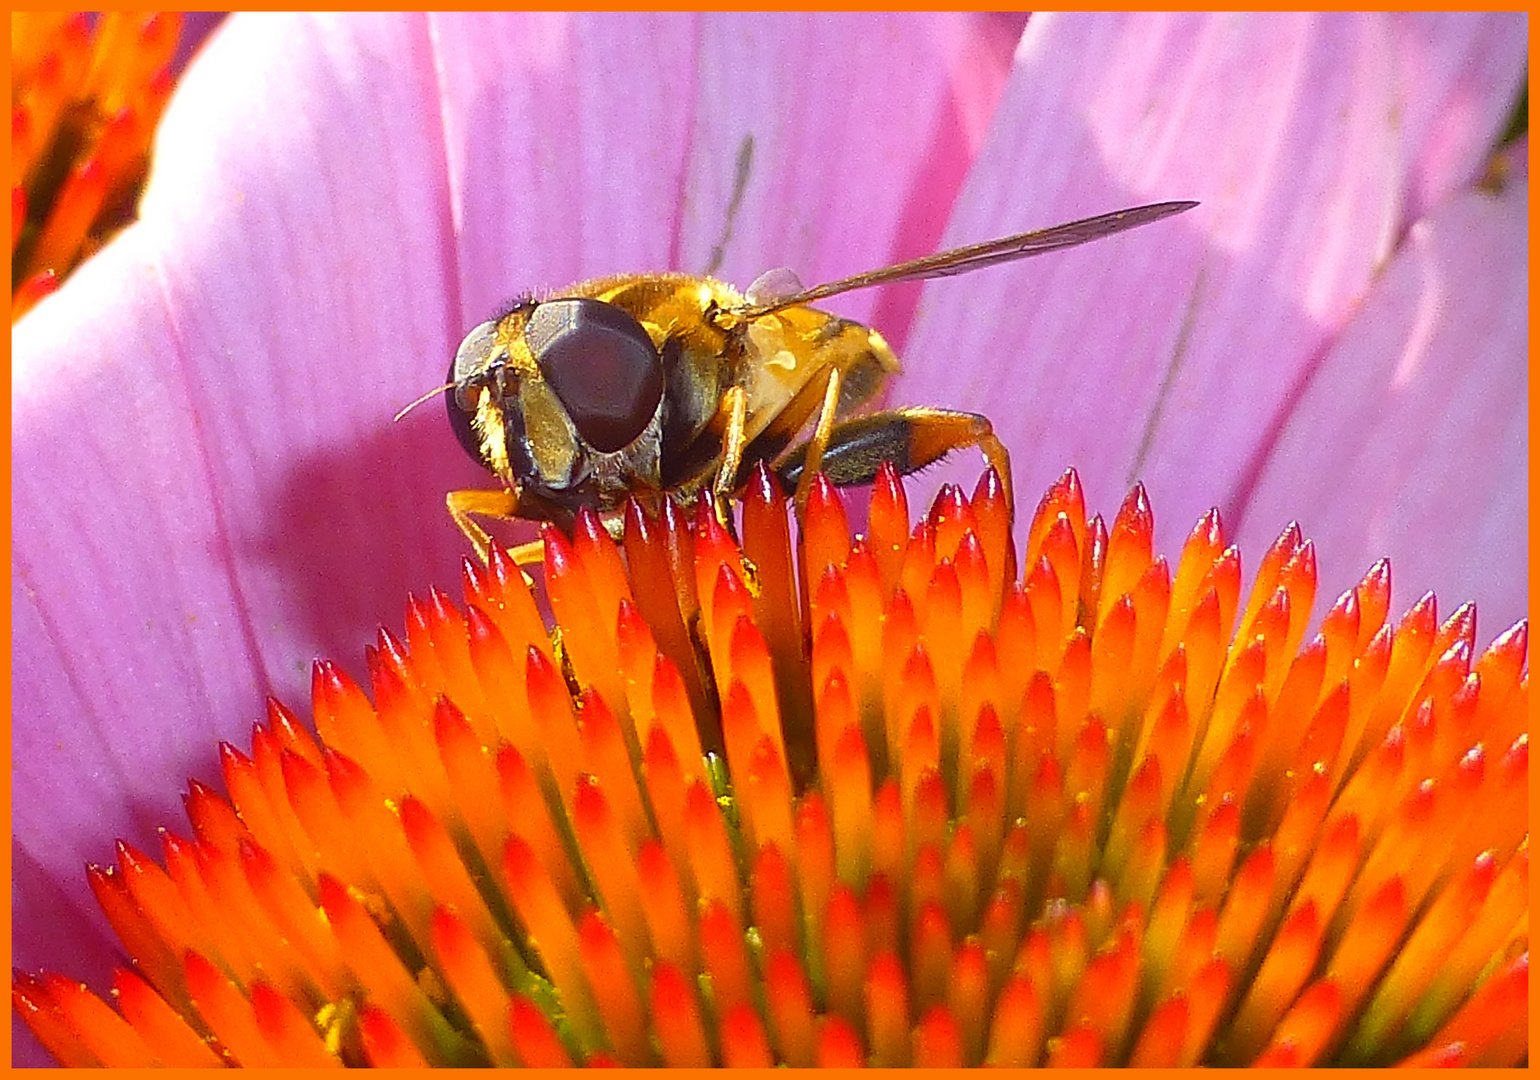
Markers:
910,438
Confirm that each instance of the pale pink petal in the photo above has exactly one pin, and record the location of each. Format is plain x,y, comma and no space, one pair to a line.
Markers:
1459,72
307,268
1416,425
847,173
196,412
128,634
572,172
131,649
570,169
1168,354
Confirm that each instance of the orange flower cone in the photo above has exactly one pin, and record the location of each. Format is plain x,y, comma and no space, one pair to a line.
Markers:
880,800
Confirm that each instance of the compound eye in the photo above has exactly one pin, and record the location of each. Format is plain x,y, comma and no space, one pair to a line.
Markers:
460,414
601,365
472,359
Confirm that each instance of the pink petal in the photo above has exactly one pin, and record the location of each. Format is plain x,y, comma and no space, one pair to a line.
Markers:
190,420
1168,354
1460,71
848,172
1416,425
306,266
574,174
569,170
127,637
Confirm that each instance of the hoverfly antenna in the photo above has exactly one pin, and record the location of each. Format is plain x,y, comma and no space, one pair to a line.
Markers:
430,394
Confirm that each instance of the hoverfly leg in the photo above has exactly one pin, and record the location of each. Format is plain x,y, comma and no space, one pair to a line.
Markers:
817,445
531,553
910,438
1000,460
502,503
733,442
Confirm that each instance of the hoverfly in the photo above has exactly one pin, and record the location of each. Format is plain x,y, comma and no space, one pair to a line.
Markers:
651,383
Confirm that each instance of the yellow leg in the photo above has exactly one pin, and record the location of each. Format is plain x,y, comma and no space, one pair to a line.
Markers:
498,504
528,554
995,453
732,451
820,440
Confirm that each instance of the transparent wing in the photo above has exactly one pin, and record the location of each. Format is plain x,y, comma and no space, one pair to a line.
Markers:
977,256
774,286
